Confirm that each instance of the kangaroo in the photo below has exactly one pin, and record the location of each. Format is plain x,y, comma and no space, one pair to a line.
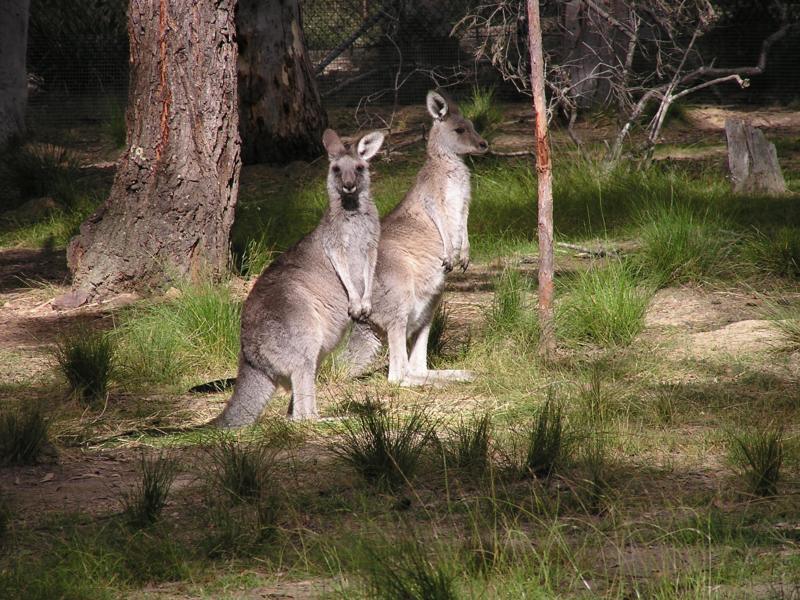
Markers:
423,238
303,302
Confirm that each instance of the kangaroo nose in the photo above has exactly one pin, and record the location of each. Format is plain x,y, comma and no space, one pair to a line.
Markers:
348,189
483,144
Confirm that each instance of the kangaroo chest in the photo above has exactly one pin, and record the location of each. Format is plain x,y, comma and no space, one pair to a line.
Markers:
357,236
456,205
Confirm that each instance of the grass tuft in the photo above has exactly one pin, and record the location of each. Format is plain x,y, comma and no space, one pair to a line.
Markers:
241,470
680,245
604,305
547,443
382,446
481,108
777,253
24,435
143,504
196,332
87,360
468,445
758,453
406,572
40,170
510,314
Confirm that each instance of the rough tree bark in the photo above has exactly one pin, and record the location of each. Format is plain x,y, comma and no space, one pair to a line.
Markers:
171,206
544,170
281,113
753,160
13,75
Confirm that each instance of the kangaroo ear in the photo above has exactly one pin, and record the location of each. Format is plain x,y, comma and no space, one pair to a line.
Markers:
437,105
333,145
369,145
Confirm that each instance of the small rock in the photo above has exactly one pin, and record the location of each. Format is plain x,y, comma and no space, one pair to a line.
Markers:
173,293
47,477
72,299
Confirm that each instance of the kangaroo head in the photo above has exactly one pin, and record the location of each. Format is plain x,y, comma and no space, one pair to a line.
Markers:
452,132
348,172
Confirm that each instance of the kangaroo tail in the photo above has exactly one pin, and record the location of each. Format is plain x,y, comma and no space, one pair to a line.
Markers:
218,385
362,350
253,390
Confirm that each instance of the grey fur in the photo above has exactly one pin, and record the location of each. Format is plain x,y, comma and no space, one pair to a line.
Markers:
424,237
302,303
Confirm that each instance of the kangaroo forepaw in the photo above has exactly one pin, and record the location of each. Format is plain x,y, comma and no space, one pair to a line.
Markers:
447,264
464,264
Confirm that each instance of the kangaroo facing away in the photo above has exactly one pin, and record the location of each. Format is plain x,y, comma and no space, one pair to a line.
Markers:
301,305
424,237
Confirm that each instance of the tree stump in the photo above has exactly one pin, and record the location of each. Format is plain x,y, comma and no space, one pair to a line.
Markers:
753,161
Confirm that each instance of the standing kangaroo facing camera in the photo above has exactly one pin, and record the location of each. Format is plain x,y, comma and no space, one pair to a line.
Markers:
424,237
301,305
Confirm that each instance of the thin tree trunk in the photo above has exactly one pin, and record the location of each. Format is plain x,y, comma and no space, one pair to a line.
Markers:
281,113
171,206
13,74
544,170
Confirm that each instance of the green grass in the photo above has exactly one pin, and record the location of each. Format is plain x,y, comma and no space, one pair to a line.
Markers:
54,230
24,435
143,504
481,108
777,252
87,361
511,313
382,445
407,572
547,440
40,170
169,341
603,305
681,245
241,469
468,445
759,453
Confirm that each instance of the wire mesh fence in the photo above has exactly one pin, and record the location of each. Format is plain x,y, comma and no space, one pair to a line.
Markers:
363,51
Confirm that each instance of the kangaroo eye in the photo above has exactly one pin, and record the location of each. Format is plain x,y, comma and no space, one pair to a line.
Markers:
360,168
460,130
336,169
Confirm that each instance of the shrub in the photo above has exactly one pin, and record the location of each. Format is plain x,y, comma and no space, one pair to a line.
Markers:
87,359
40,170
24,435
382,446
758,453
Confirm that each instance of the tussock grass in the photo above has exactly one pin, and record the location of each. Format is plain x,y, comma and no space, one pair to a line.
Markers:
603,305
24,435
407,572
787,319
548,443
255,257
382,446
240,469
777,252
115,127
680,245
758,453
511,315
143,504
468,445
40,170
87,361
164,342
481,108
55,230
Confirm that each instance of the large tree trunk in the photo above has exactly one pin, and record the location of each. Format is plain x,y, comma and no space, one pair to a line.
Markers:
13,76
171,206
279,105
